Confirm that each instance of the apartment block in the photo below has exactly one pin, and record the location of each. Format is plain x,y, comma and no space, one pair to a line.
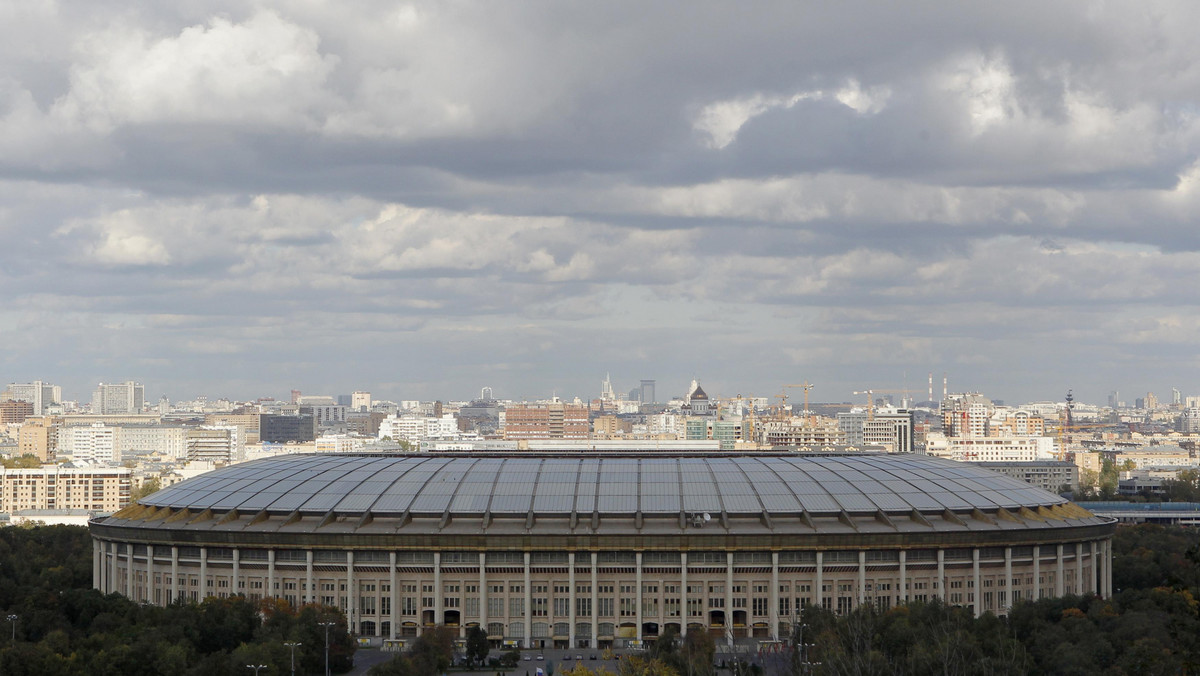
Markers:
57,487
556,420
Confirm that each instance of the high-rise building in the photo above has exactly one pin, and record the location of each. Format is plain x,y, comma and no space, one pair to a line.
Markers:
118,398
647,392
38,393
966,415
95,443
360,401
891,428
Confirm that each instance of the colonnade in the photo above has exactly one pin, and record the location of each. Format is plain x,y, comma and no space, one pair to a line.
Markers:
706,590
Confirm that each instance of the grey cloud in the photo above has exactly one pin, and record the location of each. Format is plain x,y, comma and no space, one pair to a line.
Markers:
538,192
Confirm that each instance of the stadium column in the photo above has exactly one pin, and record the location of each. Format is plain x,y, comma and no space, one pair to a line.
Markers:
528,604
903,576
352,593
129,571
114,571
975,580
595,605
637,599
394,601
236,581
270,593
1078,587
729,598
174,574
819,588
96,582
683,592
203,574
150,574
1037,573
773,611
862,577
941,576
1058,573
570,597
1108,563
1094,577
1008,590
310,594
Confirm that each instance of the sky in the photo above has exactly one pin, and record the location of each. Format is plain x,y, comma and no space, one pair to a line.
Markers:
238,199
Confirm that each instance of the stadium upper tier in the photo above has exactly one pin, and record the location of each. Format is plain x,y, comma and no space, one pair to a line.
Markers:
463,486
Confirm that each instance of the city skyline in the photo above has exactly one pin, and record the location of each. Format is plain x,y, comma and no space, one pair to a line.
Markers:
242,198
665,392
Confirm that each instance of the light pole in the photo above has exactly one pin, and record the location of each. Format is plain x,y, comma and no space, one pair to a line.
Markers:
327,625
13,619
292,645
256,667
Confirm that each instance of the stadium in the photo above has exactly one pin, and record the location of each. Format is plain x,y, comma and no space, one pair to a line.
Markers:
591,551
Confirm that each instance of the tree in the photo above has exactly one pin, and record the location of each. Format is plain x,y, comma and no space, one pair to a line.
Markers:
477,645
146,488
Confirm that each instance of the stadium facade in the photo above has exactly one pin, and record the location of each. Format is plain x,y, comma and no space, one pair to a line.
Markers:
587,551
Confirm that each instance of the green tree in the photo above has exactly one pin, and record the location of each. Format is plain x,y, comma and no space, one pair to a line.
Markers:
146,488
477,645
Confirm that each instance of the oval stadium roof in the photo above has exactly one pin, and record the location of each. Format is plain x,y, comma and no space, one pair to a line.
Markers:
519,485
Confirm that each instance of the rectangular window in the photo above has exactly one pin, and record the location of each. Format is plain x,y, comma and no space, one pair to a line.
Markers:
516,607
583,606
495,607
606,606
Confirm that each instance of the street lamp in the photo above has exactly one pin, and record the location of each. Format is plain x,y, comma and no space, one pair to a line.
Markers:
327,625
293,645
13,619
256,667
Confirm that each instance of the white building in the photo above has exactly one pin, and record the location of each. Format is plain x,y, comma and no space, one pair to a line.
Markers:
118,398
340,443
134,440
990,449
91,443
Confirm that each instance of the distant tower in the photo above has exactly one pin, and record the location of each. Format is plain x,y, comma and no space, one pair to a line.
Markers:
945,387
648,392
295,396
486,394
930,387
606,390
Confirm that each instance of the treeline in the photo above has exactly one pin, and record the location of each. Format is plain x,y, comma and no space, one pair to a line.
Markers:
1151,625
62,626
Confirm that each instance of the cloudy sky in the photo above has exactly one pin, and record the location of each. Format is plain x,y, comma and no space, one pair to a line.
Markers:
241,198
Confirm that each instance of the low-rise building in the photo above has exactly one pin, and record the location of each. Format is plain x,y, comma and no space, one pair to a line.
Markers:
1053,475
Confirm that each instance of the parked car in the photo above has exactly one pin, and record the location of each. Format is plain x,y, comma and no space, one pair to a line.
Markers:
540,658
527,657
579,657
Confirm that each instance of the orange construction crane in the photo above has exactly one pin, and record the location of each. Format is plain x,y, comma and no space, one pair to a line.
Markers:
806,386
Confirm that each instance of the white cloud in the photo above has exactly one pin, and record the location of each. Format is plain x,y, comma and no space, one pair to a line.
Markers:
264,70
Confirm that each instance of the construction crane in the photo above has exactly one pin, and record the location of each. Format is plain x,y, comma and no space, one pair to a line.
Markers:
870,402
806,386
871,399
